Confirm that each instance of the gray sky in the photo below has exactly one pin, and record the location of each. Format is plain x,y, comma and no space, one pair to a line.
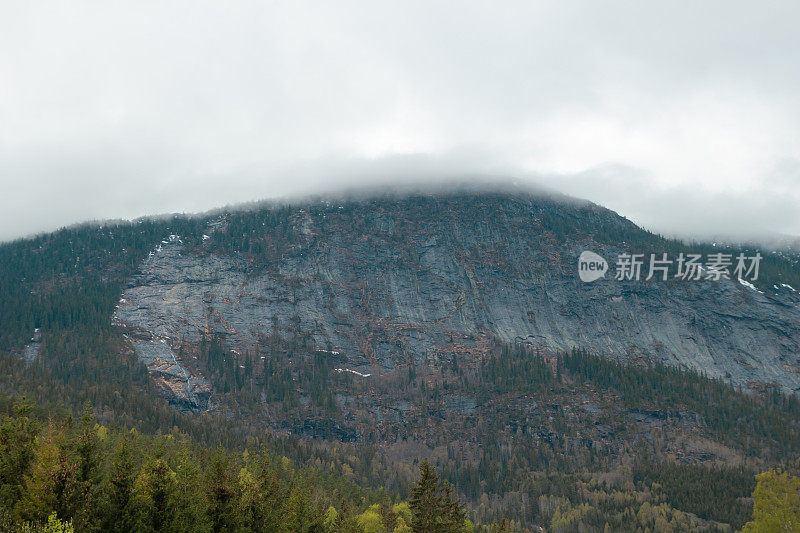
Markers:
682,116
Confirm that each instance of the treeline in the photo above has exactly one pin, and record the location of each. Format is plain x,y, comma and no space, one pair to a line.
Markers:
768,426
600,225
73,277
62,474
712,493
513,369
265,234
93,479
67,284
262,234
285,376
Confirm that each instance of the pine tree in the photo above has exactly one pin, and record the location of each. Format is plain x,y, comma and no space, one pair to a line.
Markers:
434,507
302,516
52,484
88,459
87,448
188,500
221,494
155,487
121,509
16,451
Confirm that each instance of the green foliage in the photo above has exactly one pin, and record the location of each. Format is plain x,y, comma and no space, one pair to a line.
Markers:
16,451
120,509
711,493
514,369
52,483
72,278
77,474
54,525
770,425
776,503
434,508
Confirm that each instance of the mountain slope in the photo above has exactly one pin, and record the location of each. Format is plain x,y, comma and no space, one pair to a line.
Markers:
390,281
365,333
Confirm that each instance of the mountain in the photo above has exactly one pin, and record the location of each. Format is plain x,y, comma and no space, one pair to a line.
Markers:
367,331
391,281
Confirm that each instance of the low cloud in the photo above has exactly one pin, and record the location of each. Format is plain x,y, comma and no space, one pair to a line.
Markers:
683,118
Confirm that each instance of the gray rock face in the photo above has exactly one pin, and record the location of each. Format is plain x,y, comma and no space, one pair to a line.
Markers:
188,391
383,284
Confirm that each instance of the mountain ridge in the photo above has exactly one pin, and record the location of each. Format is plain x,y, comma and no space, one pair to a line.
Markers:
360,276
371,332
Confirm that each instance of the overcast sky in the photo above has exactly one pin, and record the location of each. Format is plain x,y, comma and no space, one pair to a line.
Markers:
682,116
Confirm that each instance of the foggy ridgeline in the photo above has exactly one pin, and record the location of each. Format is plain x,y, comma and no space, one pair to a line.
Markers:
315,365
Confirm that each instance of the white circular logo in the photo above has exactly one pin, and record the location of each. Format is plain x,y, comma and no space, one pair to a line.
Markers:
591,266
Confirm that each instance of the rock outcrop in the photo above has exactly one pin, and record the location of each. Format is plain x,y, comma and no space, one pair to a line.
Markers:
424,277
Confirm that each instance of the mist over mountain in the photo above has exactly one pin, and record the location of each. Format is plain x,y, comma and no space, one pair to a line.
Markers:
367,328
410,267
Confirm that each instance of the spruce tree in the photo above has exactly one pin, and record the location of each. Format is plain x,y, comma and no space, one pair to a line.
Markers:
17,448
52,484
221,494
156,486
121,509
434,507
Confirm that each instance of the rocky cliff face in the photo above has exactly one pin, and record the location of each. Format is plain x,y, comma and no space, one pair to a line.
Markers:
424,278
